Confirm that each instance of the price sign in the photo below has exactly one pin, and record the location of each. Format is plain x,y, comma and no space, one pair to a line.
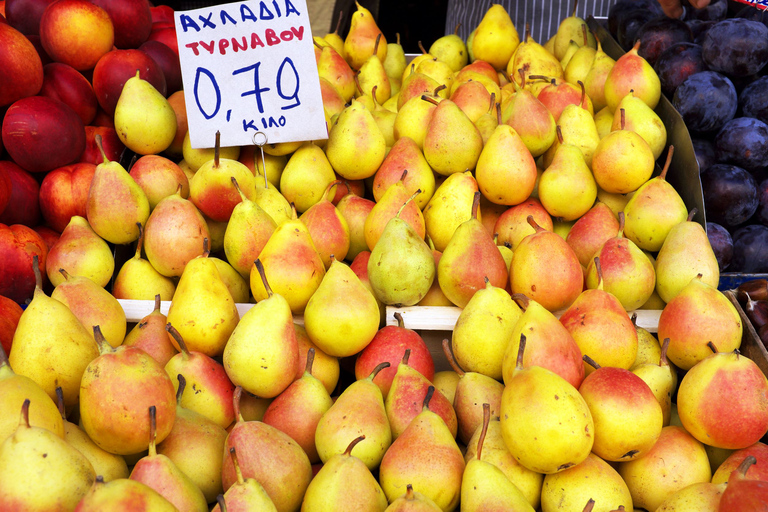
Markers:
249,67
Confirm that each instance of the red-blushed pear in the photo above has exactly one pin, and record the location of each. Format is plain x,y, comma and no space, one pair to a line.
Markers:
358,410
599,325
628,418
402,403
677,460
362,37
50,345
545,268
758,471
66,84
10,312
19,246
115,68
698,315
412,501
297,410
706,404
549,344
472,98
472,390
632,73
14,389
700,497
161,474
545,422
23,198
590,231
92,305
426,456
559,94
332,66
743,493
195,445
76,32
327,227
405,154
389,343
40,470
394,203
158,177
530,118
355,211
113,414
20,61
627,272
64,193
82,252
248,230
123,494
661,378
137,279
265,333
212,388
269,456
469,258
324,367
246,494
512,225
149,334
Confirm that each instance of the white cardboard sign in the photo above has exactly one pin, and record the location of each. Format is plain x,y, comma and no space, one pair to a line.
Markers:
250,67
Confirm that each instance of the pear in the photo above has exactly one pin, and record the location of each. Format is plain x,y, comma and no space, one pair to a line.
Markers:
373,77
344,483
450,49
194,158
361,38
595,79
534,58
332,66
592,479
452,143
247,233
532,121
512,225
653,210
113,416
495,38
40,471
161,474
545,422
359,410
14,389
401,268
579,65
149,334
641,119
661,377
51,346
213,391
138,279
210,189
472,98
202,308
92,305
469,259
685,253
578,127
591,231
144,120
297,410
567,188
484,486
291,261
244,494
622,161
115,202
355,211
121,494
195,445
395,62
327,227
571,29
265,334
414,115
325,367
405,155
81,251
742,492
483,330
356,147
412,501
426,456
631,72
701,497
396,202
272,201
306,176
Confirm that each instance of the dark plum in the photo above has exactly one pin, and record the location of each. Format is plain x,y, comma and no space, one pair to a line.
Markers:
699,29
761,215
750,249
743,141
705,152
677,63
736,47
706,100
716,10
753,13
753,100
730,194
659,34
622,8
630,24
722,244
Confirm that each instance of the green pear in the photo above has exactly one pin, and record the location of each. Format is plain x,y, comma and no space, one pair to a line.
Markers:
395,61
661,377
414,115
595,79
701,497
372,76
643,120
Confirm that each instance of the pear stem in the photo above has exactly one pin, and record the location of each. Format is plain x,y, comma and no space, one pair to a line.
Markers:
24,420
520,352
583,102
409,492
406,356
403,175
621,224
355,441
100,145
712,347
152,431
206,247
428,397
475,204
663,174
429,99
533,224
623,118
104,347
421,47
439,88
338,26
397,37
317,44
236,396
378,368
310,360
692,214
559,134
663,358
376,44
522,78
64,273
36,270
399,319
591,362
522,300
583,28
157,303
332,185
263,275
179,339
237,187
575,5
60,402
216,148
418,191
182,387
497,107
599,270
238,471
746,464
450,358
222,503
484,431
589,506
373,95
527,31
139,242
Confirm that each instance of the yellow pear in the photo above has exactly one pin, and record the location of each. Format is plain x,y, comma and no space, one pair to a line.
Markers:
452,143
535,59
450,49
622,160
495,38
82,252
594,478
306,176
356,147
144,120
449,207
595,79
641,119
572,28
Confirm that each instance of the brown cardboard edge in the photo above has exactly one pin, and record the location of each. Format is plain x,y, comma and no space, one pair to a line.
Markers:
751,345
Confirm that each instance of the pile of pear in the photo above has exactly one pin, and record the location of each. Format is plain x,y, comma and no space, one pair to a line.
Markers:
474,176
